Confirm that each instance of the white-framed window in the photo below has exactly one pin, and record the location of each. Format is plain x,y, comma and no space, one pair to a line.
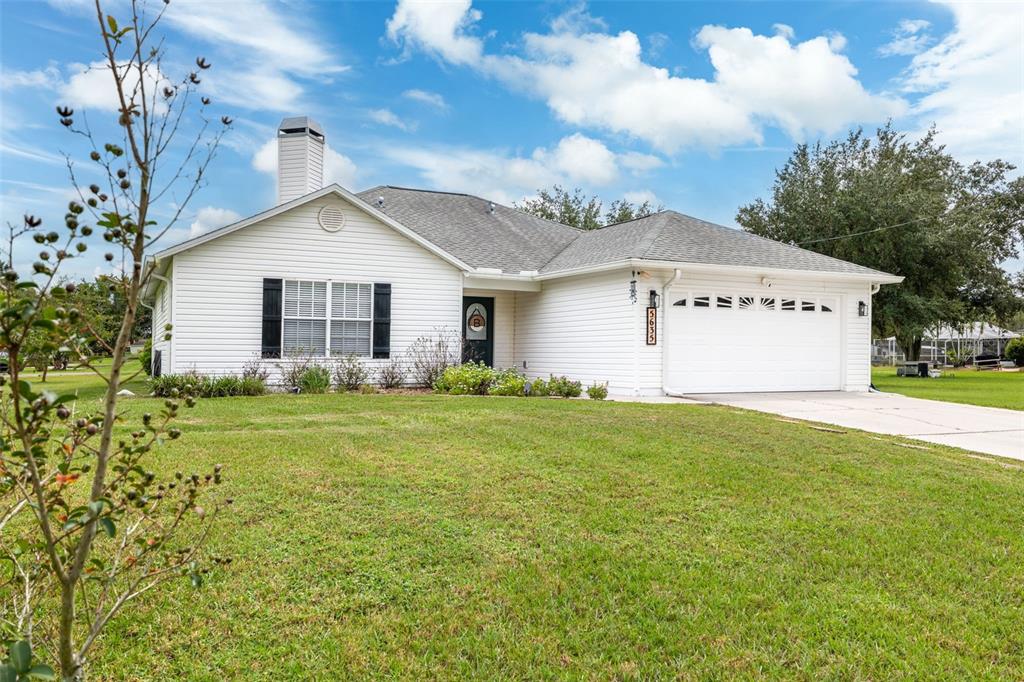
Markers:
321,316
305,318
351,318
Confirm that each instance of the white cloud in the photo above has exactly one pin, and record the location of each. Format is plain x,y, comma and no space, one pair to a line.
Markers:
263,51
91,86
261,89
600,80
432,98
210,218
275,38
640,163
265,158
642,195
337,167
908,38
971,82
438,28
48,78
496,174
387,117
784,30
581,159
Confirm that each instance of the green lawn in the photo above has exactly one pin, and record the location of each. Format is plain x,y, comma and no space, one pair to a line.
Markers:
988,388
429,537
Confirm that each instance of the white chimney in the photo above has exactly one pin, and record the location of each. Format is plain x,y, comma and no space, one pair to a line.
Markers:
300,158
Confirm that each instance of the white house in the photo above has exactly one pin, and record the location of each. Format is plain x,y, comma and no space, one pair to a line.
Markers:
666,304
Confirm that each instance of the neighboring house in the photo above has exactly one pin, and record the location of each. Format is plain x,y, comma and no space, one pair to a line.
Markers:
974,338
662,304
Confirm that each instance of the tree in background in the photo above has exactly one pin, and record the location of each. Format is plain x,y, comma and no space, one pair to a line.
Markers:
102,302
909,208
573,209
85,527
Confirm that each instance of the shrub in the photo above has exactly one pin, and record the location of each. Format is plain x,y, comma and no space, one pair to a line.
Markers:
959,358
294,368
146,356
200,386
253,368
508,382
564,387
168,385
430,356
391,374
315,379
1015,351
350,373
367,389
470,378
220,387
598,392
252,386
539,389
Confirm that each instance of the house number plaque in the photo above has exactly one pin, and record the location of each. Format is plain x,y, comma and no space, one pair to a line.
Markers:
652,326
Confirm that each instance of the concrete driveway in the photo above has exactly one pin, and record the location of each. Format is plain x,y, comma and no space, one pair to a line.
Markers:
983,429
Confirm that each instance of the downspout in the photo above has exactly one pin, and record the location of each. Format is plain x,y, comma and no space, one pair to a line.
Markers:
170,317
871,384
676,276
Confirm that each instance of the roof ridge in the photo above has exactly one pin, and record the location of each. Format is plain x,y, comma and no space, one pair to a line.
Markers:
431,191
633,220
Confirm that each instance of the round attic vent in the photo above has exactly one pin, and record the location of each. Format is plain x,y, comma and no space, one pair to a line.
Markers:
331,218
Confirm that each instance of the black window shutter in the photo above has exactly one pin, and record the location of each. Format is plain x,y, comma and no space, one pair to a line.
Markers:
381,320
271,318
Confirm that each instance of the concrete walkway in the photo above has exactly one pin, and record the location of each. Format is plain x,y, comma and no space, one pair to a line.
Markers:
990,430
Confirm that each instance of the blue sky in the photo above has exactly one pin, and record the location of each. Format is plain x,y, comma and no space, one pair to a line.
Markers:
692,105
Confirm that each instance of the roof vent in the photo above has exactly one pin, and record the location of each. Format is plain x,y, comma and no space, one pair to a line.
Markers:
490,207
380,202
331,218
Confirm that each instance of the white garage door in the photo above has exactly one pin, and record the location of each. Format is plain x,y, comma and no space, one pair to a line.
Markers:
744,341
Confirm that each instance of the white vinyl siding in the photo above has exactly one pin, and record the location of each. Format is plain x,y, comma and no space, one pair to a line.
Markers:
219,285
582,327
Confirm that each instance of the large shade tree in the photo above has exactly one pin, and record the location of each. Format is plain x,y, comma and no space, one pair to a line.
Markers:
904,206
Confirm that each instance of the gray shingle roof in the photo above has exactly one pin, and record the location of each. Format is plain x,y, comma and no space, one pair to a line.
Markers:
672,236
462,225
513,241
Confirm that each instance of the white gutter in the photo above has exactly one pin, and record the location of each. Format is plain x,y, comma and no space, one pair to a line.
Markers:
676,276
641,264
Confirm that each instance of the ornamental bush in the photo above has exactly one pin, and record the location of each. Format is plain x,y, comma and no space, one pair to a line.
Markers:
391,374
508,382
350,373
146,356
564,387
598,391
539,389
315,379
470,378
199,386
1015,351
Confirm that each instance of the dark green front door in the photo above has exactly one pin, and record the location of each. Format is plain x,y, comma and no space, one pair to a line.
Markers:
478,329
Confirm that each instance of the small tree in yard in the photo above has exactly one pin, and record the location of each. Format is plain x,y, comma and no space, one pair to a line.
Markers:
85,527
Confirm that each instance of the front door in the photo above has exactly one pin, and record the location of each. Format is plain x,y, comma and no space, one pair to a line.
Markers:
478,330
